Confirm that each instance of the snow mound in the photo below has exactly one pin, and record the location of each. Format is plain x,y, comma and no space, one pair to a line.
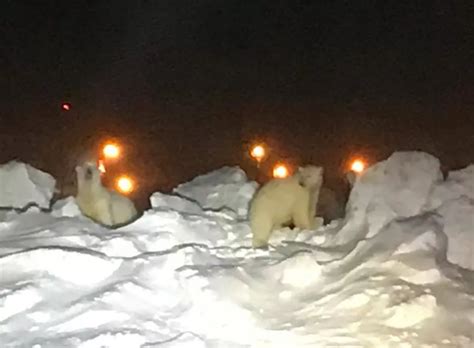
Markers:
408,184
184,276
394,188
66,207
22,185
225,188
160,200
454,200
459,183
458,217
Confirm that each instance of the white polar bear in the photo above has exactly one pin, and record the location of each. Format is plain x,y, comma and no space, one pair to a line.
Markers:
96,202
281,201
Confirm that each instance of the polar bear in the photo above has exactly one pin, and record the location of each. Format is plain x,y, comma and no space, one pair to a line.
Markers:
281,201
96,202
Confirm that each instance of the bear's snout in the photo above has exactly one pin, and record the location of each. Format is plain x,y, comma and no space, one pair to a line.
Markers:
89,173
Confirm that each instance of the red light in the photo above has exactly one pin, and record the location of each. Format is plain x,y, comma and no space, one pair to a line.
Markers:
66,106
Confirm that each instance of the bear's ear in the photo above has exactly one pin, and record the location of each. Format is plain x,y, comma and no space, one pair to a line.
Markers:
78,169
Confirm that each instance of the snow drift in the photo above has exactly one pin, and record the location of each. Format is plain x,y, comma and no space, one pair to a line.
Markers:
184,275
21,186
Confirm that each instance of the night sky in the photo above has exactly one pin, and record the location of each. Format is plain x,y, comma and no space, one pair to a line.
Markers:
188,84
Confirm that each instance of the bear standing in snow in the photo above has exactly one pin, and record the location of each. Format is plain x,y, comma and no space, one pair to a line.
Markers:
281,201
96,202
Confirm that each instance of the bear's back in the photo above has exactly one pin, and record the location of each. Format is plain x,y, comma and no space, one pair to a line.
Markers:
278,196
123,209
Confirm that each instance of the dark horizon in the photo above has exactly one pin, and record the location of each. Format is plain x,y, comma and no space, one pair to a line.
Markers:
187,86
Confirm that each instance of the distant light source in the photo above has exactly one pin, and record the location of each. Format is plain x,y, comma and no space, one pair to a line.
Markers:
111,150
125,184
358,166
66,106
258,152
280,171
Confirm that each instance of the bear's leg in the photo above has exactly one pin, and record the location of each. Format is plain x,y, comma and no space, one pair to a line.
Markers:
261,230
317,222
304,213
302,219
104,213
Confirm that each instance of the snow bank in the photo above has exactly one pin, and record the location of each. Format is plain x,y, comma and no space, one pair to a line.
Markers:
225,188
66,207
22,185
396,187
459,183
160,200
185,276
408,184
454,200
458,217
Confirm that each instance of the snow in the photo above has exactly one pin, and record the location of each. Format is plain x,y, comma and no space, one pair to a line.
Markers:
454,200
396,187
459,228
21,186
227,189
184,274
66,207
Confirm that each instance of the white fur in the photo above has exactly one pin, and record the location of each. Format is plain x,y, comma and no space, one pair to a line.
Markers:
96,202
281,201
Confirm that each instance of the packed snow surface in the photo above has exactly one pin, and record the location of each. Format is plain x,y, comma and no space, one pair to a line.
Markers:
21,186
184,274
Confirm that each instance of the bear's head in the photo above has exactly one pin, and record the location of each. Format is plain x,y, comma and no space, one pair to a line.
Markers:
310,176
88,173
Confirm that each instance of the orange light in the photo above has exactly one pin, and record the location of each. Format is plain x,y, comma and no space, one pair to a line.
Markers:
258,152
111,150
125,184
280,171
358,166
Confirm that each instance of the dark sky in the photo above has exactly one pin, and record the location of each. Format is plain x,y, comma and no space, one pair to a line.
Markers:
188,83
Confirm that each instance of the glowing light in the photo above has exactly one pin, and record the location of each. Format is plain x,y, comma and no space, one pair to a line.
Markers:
101,167
280,171
358,166
111,150
125,184
66,106
258,152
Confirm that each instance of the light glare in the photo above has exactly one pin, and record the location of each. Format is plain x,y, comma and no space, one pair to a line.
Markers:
258,152
358,166
280,171
125,184
111,151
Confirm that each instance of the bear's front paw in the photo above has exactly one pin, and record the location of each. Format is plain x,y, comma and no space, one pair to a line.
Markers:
317,223
259,244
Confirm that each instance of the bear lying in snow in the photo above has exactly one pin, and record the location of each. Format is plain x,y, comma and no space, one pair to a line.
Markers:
281,201
98,203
